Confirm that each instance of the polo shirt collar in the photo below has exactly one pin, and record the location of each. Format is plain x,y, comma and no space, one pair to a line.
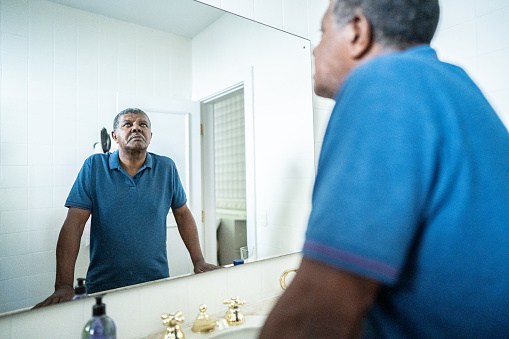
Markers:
422,50
114,162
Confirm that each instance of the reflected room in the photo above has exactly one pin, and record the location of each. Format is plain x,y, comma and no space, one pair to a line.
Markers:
230,102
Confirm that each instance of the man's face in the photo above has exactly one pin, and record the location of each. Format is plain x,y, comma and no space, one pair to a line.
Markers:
332,64
133,132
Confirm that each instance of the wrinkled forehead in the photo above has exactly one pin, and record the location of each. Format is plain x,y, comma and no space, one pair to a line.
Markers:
132,117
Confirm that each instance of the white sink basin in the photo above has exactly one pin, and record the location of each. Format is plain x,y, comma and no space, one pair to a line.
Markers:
241,332
249,330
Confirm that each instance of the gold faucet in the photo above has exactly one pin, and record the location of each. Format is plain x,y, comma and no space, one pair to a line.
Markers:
203,324
234,316
171,321
282,279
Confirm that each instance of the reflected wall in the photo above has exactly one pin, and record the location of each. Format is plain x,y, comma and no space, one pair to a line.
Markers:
282,125
61,71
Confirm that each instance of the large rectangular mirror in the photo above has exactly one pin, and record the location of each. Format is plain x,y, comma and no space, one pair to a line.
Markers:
68,66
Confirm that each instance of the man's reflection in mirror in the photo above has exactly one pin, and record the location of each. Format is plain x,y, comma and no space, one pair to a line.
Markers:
128,194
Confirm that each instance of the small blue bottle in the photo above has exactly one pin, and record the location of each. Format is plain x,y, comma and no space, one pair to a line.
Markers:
80,290
100,326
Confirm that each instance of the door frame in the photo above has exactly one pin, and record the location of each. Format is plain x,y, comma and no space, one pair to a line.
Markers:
243,79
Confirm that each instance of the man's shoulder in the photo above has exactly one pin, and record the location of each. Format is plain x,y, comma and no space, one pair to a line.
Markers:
161,159
98,161
394,65
99,158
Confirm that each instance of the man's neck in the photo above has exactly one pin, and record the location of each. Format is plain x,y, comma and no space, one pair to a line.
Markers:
132,162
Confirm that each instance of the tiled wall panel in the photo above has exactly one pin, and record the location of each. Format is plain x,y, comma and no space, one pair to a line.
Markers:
472,34
61,69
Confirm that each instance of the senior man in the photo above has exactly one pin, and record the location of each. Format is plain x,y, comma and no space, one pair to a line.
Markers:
128,193
408,235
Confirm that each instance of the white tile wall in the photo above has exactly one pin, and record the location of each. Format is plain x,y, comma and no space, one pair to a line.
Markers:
16,6
13,221
472,34
500,100
41,262
14,267
491,76
269,12
59,80
486,6
454,12
492,29
14,176
14,154
13,198
316,9
9,289
295,17
40,176
243,8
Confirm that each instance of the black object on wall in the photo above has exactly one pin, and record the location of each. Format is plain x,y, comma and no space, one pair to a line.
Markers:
105,140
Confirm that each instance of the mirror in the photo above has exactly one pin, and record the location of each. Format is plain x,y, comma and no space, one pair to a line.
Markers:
66,69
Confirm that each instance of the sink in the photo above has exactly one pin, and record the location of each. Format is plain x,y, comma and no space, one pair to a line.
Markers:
244,333
249,330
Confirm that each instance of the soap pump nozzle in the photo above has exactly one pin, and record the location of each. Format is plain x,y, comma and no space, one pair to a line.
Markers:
99,308
100,326
80,290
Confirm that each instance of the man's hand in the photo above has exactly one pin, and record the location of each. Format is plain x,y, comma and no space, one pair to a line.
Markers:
189,233
62,293
201,266
68,246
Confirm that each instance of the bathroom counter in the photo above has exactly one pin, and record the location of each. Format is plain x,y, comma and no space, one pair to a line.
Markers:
260,308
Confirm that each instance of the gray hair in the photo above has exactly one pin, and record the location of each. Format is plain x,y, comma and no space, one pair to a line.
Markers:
128,111
395,23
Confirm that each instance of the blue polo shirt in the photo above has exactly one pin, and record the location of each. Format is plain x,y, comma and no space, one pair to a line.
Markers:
128,228
412,190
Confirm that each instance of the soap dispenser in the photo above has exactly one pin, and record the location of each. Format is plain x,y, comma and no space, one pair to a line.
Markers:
80,290
100,326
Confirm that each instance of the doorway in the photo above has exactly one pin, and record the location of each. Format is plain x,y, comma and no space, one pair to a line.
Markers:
224,172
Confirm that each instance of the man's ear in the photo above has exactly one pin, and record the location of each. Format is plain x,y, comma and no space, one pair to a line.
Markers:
362,36
114,136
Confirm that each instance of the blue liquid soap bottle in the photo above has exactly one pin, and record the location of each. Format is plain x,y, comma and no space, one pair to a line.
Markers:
80,290
100,326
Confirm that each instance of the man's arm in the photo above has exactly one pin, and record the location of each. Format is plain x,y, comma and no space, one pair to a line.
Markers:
68,246
321,302
189,234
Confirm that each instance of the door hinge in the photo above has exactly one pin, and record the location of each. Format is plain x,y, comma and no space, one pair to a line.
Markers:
202,216
201,129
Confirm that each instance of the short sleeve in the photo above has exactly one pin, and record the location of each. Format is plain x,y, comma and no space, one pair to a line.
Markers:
80,195
179,198
373,176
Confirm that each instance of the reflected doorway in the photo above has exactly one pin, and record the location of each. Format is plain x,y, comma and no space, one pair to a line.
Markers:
224,173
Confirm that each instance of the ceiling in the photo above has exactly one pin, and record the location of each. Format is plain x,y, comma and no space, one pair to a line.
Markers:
186,18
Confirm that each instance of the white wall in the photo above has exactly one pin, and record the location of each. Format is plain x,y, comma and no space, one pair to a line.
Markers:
474,35
300,17
60,71
471,33
283,120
